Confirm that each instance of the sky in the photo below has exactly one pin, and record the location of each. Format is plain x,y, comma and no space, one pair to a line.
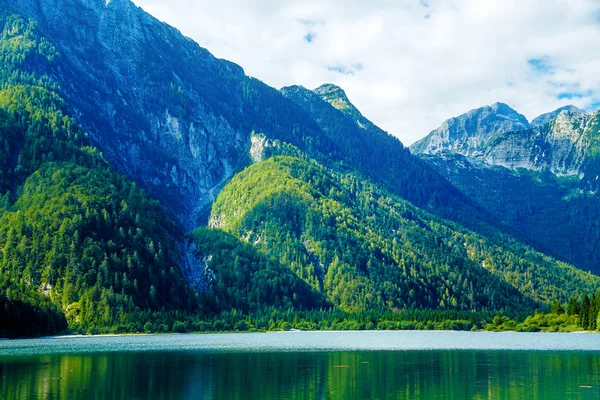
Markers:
408,65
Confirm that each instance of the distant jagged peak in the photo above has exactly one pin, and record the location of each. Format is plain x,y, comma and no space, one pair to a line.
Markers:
500,110
547,117
469,132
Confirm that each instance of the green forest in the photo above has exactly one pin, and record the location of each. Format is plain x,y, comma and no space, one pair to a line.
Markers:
579,313
366,249
324,239
551,213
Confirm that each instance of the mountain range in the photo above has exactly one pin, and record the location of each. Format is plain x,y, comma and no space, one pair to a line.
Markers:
541,179
145,181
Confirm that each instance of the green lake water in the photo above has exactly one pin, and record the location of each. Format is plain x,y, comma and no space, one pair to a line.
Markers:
304,365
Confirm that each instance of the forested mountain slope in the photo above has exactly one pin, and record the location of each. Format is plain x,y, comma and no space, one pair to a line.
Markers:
381,158
366,249
541,181
552,212
78,240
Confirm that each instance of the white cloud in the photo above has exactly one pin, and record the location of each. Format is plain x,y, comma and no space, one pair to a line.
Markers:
408,64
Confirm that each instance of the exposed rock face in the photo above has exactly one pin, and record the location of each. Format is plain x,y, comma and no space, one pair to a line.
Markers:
548,117
153,101
470,132
559,146
335,96
257,149
562,141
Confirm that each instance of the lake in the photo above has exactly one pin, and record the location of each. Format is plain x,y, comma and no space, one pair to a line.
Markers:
304,365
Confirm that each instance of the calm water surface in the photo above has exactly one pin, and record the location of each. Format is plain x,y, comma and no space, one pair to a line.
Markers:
304,365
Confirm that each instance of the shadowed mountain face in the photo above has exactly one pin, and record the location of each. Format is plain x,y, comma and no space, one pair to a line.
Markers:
553,213
163,110
155,103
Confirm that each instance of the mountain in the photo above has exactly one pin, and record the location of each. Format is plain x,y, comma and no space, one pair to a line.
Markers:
541,181
117,136
364,248
547,117
381,157
163,110
551,212
562,142
73,231
336,96
168,115
171,117
561,146
471,132
81,244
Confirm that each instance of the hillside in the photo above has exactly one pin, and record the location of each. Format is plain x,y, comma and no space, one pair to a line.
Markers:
382,159
552,212
540,181
80,243
366,249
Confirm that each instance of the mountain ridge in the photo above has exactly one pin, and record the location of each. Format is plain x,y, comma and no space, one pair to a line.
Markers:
542,181
469,132
547,117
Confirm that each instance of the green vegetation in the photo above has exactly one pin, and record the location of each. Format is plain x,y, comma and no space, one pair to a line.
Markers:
77,239
550,213
578,314
26,312
241,278
370,153
365,249
277,319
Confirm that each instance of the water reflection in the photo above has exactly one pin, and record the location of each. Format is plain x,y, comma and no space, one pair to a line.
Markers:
321,375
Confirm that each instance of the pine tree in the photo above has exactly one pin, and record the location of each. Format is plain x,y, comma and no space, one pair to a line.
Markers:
585,312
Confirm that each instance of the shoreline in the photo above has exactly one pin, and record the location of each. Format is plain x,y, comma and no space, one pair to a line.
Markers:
116,335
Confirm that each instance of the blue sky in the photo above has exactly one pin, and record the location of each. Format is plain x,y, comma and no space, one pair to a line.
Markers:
409,64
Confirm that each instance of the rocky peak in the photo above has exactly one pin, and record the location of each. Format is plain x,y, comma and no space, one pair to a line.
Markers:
470,132
548,117
335,96
560,145
298,92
